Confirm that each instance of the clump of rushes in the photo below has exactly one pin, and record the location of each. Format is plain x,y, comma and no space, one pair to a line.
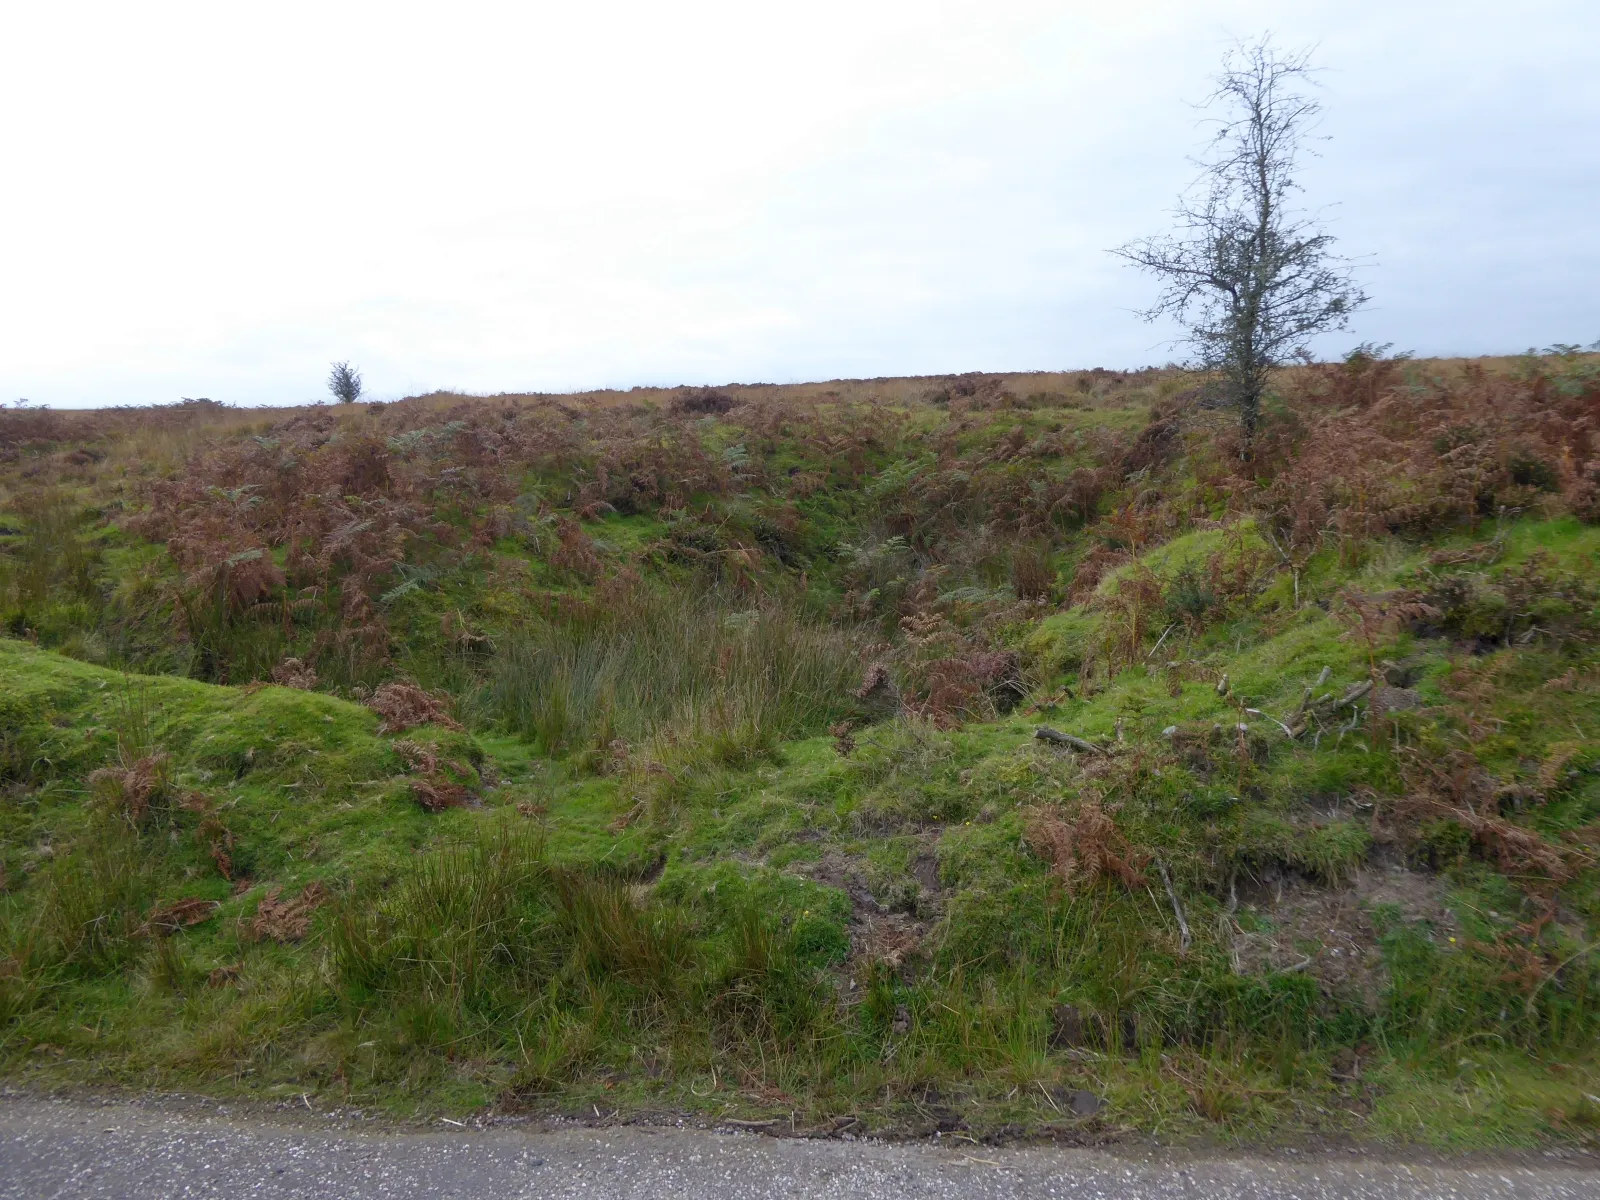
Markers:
687,675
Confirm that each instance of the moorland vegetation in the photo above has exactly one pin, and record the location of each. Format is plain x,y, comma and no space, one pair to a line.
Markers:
983,754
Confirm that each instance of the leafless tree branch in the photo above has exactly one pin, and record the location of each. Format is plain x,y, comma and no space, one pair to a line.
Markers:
1251,278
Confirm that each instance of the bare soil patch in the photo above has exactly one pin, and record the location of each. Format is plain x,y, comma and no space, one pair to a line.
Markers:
1289,923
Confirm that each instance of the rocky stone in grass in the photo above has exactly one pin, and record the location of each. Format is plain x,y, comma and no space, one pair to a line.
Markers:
1085,1104
1073,1028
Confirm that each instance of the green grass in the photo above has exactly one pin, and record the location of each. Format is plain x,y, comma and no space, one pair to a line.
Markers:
527,945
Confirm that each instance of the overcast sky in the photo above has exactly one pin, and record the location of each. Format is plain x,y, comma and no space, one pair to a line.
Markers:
218,200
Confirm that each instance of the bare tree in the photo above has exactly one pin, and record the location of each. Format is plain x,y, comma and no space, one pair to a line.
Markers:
1251,278
344,381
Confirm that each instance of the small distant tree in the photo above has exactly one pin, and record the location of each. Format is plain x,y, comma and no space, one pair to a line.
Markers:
344,381
1251,278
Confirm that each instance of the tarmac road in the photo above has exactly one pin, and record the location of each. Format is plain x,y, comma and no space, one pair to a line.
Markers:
52,1148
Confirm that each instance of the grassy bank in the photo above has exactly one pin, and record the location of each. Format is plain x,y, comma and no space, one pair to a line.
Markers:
683,754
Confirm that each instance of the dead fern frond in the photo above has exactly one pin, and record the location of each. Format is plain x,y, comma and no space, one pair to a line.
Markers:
1087,849
405,705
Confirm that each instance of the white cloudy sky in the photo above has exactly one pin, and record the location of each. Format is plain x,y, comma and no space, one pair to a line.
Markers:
214,199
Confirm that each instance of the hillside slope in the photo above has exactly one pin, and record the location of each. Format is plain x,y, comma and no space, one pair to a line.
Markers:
988,754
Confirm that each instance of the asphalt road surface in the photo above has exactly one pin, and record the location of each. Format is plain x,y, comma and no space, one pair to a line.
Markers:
85,1149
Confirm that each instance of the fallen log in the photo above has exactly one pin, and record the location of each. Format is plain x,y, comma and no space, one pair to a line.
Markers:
1054,736
1354,694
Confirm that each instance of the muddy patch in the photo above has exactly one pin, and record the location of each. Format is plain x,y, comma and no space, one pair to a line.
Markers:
891,927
